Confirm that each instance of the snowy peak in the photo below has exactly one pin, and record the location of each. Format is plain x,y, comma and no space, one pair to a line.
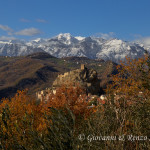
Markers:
38,40
80,38
66,38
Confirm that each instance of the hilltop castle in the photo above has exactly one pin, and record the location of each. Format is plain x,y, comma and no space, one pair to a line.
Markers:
84,77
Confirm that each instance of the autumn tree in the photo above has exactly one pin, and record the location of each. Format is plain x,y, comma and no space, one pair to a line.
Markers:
19,116
133,80
129,98
23,119
74,98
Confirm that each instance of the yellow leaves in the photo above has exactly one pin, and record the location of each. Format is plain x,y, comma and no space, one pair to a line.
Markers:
133,77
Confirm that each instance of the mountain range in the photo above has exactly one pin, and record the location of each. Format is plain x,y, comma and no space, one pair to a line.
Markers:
65,45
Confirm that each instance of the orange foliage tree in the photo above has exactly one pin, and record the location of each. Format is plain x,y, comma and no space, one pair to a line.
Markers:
18,116
72,97
22,115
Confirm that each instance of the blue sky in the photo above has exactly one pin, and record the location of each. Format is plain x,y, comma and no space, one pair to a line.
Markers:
29,19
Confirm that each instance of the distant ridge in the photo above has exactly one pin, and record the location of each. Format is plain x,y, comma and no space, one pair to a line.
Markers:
75,58
40,55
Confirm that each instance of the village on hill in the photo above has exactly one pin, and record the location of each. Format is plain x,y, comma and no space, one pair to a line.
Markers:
85,78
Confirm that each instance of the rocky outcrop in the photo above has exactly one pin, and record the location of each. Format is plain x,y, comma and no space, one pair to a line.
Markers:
84,77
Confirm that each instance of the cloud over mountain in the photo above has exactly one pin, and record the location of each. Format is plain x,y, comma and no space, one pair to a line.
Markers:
6,28
7,38
29,32
145,41
25,32
106,36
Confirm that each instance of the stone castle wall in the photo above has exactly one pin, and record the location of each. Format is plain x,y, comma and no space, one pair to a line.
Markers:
86,78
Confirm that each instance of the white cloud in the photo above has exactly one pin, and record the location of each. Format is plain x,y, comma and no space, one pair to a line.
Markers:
41,20
6,38
25,32
29,32
6,28
144,40
24,20
106,36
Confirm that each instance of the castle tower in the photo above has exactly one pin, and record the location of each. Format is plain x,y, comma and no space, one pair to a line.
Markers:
82,66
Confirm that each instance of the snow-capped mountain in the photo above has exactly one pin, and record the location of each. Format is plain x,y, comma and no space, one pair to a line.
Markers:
64,45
